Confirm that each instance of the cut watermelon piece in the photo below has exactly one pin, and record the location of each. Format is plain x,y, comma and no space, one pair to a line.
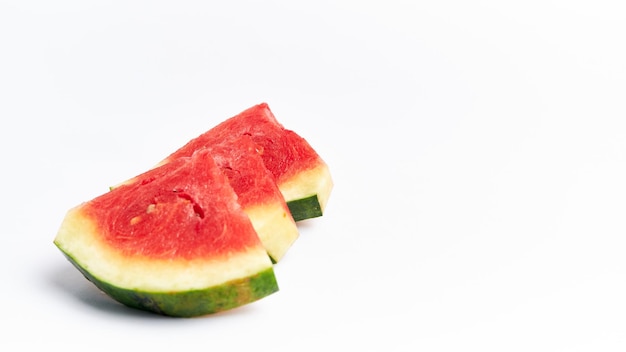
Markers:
300,173
258,194
175,241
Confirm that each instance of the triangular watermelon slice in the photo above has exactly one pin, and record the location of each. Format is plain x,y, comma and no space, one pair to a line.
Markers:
300,173
258,194
174,241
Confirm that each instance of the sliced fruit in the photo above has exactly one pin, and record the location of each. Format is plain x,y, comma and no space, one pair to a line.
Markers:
258,194
174,241
300,173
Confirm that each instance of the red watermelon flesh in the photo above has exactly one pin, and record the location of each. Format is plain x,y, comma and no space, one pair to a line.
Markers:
300,173
257,193
174,241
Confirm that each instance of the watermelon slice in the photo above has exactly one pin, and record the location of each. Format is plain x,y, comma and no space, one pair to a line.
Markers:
174,241
258,194
300,173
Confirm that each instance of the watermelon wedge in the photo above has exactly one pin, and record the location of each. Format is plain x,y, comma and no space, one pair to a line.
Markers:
174,241
301,175
258,194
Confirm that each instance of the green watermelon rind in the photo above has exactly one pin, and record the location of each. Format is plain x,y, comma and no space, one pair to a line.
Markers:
306,193
305,208
191,303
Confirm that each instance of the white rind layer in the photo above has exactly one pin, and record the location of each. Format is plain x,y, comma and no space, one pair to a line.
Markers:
79,239
315,181
275,228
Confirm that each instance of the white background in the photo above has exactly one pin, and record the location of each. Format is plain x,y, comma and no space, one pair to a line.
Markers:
478,151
